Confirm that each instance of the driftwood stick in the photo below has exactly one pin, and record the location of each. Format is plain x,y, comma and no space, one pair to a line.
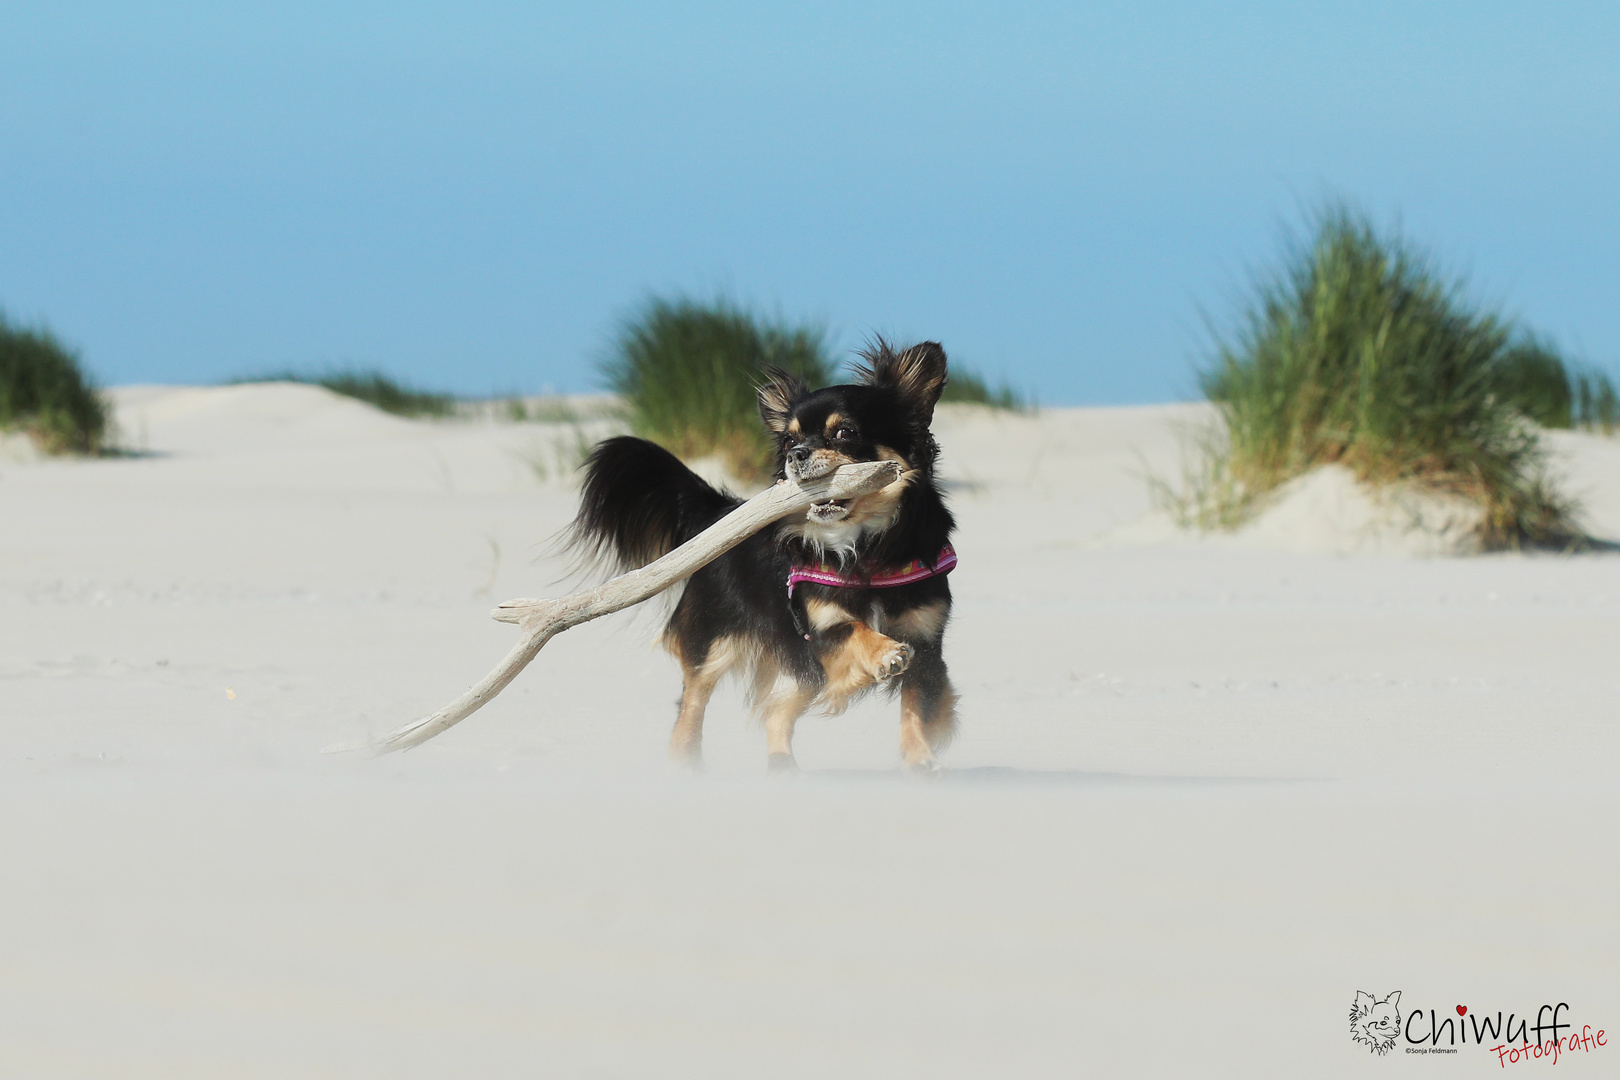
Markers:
541,620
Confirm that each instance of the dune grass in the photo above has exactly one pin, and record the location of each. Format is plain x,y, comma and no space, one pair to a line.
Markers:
1537,380
372,387
967,387
1360,352
687,372
45,391
1595,406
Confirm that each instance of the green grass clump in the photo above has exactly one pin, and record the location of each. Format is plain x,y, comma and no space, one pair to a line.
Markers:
387,394
967,387
372,387
1359,352
1534,378
44,391
687,373
1596,405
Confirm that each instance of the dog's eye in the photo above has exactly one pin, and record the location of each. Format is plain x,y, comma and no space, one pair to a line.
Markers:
844,434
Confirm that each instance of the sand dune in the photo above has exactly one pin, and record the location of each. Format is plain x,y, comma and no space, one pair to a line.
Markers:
1206,789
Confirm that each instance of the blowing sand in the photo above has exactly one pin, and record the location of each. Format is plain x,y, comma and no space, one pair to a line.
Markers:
1205,790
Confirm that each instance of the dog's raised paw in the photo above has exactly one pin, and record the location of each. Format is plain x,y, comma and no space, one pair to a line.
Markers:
894,661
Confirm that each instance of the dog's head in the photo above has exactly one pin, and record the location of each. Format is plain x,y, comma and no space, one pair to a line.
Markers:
884,416
1375,1023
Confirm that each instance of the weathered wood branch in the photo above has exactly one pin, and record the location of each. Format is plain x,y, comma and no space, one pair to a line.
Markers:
541,620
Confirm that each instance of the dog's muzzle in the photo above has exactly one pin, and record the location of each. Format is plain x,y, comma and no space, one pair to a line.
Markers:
803,466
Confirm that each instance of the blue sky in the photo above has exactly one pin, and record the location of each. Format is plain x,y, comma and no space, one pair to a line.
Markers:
468,196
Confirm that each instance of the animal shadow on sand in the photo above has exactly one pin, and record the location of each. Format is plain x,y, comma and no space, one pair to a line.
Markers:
1006,775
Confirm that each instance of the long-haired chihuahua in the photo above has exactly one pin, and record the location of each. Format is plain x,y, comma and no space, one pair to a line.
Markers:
818,609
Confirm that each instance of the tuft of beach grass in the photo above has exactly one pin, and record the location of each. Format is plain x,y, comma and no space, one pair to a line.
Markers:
1359,351
687,373
967,387
45,391
1595,406
371,386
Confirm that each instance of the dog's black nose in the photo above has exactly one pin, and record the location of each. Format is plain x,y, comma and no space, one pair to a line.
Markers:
799,455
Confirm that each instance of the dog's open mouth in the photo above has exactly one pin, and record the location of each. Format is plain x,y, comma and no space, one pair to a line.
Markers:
829,510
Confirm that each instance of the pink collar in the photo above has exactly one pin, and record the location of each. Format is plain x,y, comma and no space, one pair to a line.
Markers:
916,570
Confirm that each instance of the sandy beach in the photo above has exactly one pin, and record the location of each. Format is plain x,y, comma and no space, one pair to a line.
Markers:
1205,791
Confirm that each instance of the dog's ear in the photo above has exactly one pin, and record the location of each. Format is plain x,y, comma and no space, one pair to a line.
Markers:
1393,1001
776,397
1364,1003
917,374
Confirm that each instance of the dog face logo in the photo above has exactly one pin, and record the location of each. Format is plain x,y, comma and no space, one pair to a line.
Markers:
1375,1024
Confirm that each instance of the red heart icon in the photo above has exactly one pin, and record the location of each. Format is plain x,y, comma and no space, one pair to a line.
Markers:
1462,1010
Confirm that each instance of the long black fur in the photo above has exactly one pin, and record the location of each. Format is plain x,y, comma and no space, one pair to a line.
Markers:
639,502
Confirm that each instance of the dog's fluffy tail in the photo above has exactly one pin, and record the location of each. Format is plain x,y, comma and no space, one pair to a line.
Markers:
639,502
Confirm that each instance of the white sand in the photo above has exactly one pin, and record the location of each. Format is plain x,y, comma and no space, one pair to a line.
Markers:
1205,791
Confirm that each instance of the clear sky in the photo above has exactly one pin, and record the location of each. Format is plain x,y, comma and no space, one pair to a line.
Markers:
469,195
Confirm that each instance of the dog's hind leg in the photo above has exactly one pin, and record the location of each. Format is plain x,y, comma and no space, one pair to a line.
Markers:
927,711
698,680
781,709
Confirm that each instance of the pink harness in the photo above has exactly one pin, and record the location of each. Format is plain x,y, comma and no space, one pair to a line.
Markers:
915,570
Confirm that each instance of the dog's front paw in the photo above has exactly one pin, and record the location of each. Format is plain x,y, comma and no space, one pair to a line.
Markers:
925,767
893,661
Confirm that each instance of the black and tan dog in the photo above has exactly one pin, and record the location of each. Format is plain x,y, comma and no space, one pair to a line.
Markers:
815,610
